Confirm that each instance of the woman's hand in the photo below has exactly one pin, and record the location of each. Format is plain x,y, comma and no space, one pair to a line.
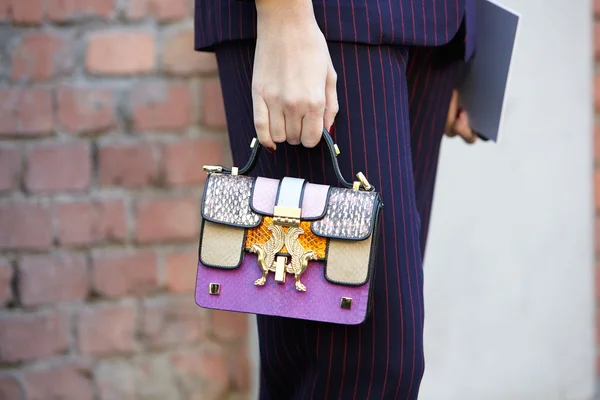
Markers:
294,82
457,122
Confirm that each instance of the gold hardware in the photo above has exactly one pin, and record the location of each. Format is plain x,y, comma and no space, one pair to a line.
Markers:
283,221
356,185
346,303
287,212
212,168
300,257
253,143
214,289
337,149
286,216
266,253
234,170
280,269
363,181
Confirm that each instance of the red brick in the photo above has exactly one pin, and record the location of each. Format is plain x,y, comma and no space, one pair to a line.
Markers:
83,110
204,371
597,285
46,279
10,389
127,165
107,329
597,7
181,271
597,91
64,382
20,336
41,56
161,10
76,223
183,157
25,226
597,324
6,276
27,11
90,222
10,168
179,57
596,142
125,273
58,167
161,107
25,111
596,40
168,219
121,53
68,10
168,322
241,369
597,193
597,233
5,11
213,109
228,326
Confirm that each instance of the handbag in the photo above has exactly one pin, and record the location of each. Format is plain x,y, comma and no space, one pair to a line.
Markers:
288,247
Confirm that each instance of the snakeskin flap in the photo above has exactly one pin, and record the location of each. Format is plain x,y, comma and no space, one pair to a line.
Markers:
227,201
334,213
350,215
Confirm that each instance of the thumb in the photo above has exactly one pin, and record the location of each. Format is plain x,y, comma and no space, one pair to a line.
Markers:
463,128
331,99
452,113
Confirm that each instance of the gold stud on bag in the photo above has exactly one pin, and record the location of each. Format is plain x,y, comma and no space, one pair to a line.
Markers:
257,231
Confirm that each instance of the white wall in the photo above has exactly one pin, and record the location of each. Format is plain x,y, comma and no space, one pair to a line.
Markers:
509,268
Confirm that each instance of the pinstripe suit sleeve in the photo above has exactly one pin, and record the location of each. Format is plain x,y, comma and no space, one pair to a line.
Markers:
374,22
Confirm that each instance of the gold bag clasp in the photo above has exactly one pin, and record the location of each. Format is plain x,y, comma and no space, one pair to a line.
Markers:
280,266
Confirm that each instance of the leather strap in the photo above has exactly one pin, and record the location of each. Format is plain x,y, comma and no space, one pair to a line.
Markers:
290,192
246,169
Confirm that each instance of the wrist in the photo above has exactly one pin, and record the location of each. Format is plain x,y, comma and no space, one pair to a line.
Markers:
280,12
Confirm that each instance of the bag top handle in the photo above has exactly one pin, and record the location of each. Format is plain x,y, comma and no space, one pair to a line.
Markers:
361,183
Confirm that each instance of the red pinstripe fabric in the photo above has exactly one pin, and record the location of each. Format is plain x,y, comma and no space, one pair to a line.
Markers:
382,358
431,76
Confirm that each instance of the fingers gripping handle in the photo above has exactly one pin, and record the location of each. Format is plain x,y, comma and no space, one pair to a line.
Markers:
255,152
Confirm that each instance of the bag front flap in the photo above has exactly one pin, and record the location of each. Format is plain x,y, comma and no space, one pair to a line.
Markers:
336,223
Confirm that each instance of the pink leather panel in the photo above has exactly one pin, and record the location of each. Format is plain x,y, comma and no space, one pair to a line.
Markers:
314,200
321,301
264,196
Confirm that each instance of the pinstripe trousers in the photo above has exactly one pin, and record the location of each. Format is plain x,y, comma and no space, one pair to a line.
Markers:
393,106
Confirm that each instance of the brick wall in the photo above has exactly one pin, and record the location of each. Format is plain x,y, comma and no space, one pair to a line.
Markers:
106,117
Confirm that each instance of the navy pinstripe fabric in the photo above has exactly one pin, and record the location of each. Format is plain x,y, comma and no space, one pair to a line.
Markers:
401,22
382,358
431,75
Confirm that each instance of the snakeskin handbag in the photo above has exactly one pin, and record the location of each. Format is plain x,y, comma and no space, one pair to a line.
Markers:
288,247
